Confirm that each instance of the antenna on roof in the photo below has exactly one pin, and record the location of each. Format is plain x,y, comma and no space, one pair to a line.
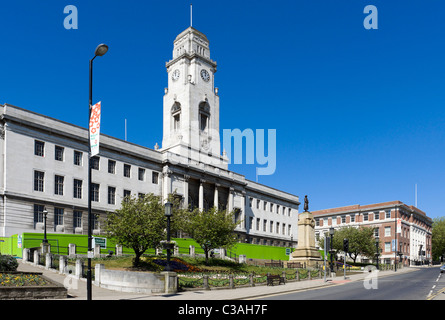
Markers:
415,196
191,14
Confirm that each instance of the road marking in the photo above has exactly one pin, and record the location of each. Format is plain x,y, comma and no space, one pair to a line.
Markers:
434,286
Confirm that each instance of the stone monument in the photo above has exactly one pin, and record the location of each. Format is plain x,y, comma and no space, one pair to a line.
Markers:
306,253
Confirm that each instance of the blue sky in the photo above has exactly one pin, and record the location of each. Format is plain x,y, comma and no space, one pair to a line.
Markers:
359,113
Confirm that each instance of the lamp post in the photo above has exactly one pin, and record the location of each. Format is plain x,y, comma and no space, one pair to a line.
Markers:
331,232
377,247
100,51
45,215
168,213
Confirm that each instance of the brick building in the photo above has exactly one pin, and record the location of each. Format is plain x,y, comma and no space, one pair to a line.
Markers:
413,228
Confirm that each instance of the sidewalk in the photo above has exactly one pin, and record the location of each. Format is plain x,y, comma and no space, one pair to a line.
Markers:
77,287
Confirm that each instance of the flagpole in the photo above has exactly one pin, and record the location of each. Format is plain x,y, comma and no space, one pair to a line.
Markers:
191,14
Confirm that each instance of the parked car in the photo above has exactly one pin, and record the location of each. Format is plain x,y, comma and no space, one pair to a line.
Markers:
442,269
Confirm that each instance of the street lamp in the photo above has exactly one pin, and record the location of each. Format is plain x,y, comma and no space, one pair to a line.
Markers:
168,213
331,232
100,51
377,251
45,215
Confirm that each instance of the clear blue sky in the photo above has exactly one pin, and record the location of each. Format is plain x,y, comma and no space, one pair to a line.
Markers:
359,113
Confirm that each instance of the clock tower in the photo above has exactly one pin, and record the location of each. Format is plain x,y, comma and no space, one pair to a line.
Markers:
191,101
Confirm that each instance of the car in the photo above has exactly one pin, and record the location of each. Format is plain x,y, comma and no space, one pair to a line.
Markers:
442,269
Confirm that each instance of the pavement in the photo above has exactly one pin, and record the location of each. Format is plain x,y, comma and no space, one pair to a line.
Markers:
77,287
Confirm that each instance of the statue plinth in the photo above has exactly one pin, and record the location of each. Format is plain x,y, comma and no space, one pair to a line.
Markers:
306,252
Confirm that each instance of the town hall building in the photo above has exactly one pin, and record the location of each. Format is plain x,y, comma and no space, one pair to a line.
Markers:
44,163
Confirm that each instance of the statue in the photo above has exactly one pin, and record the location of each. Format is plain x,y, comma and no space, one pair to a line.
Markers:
306,252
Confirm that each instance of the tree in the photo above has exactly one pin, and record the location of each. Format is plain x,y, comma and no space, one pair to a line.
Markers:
438,238
212,229
140,223
361,241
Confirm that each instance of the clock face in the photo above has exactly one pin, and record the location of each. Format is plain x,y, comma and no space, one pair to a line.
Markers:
205,75
175,74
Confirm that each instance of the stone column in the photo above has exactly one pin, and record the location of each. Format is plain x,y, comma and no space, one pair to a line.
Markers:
230,200
186,191
79,268
215,196
166,182
201,195
118,250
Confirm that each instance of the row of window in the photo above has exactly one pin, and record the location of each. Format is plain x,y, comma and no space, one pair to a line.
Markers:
39,150
274,208
59,182
352,218
58,217
274,227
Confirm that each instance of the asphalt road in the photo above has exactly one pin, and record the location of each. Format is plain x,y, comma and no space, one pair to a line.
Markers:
416,285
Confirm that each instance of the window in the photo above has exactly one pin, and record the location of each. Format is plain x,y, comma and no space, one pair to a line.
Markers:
155,177
258,224
95,163
77,158
95,192
127,170
387,246
343,219
111,166
58,153
39,148
317,222
258,203
278,209
377,215
203,122
127,194
250,202
95,221
111,195
284,229
271,207
376,232
250,223
58,217
39,179
177,122
265,205
141,174
352,217
264,225
58,185
289,212
271,227
387,231
289,230
365,217
278,228
77,219
38,213
388,214
77,190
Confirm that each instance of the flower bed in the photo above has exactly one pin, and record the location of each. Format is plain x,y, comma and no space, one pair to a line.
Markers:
21,280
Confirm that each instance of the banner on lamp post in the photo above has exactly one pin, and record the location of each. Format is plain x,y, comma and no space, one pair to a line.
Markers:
94,129
399,225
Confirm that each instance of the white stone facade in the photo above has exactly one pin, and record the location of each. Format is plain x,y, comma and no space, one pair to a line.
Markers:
44,163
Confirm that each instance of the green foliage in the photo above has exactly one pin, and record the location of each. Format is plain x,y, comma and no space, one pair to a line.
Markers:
361,241
8,263
212,229
140,223
438,238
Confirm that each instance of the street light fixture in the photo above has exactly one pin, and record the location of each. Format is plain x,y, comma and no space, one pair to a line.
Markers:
377,247
168,213
331,232
100,51
45,215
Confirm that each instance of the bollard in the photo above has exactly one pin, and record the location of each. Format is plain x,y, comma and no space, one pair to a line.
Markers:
205,284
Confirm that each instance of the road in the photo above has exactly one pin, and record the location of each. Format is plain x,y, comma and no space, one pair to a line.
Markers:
416,285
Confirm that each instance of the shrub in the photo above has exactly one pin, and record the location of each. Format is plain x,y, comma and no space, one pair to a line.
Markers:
8,263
